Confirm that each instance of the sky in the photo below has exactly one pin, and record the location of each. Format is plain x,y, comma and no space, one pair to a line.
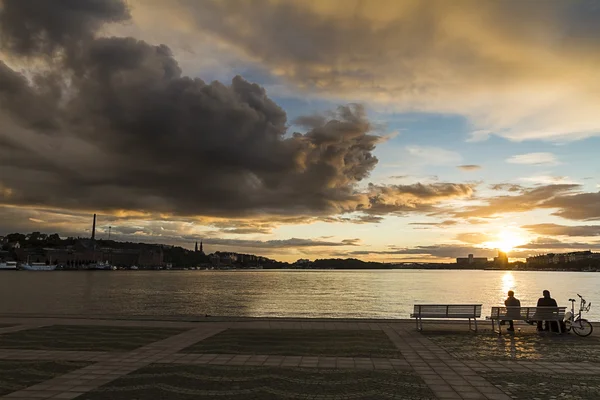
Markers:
391,131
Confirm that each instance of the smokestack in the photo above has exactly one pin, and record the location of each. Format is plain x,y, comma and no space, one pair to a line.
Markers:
94,228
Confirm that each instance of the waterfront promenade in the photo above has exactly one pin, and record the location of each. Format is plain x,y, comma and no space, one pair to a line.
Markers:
212,358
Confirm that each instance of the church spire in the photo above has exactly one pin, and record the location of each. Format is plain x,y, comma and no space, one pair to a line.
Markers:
201,251
196,248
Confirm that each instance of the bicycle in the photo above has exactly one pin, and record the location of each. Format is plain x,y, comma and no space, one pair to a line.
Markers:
574,322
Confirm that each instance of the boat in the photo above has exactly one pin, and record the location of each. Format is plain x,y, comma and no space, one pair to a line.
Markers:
38,267
134,268
8,266
104,266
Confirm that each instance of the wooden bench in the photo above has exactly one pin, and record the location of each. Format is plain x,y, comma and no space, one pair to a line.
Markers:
526,314
446,311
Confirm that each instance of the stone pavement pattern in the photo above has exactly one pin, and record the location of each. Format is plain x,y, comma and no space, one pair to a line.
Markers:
184,360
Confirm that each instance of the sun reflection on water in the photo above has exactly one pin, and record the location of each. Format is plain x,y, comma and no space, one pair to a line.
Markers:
508,282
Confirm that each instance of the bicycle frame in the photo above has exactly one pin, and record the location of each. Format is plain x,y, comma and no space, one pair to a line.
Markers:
582,308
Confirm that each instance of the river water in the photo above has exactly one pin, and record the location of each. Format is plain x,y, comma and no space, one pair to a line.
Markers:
294,293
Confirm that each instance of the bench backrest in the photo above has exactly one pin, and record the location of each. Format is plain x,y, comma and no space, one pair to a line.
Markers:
448,310
529,313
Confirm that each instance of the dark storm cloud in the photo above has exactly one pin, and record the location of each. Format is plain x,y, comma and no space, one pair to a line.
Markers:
564,230
31,27
111,124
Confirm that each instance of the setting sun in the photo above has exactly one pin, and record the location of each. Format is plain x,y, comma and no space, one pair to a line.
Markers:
507,240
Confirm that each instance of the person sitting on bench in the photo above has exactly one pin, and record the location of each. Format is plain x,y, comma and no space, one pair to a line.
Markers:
545,301
512,301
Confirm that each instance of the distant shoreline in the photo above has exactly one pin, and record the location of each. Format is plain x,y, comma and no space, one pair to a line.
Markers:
313,269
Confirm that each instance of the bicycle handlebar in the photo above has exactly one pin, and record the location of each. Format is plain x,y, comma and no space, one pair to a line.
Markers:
579,296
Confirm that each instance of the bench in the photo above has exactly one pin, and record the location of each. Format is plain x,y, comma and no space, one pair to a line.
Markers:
446,311
526,314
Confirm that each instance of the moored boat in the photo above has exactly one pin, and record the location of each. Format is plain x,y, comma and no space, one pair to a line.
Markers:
8,266
37,267
105,266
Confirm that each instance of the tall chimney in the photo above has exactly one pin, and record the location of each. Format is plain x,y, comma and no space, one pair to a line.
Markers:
94,228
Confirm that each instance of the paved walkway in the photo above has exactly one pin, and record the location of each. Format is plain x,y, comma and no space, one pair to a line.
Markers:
446,376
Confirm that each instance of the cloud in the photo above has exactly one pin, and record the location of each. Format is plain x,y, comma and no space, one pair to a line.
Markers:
564,230
449,252
515,69
469,167
580,206
433,155
548,179
293,243
427,225
390,199
566,201
474,237
442,251
527,200
110,123
128,131
533,159
479,136
550,245
54,26
509,187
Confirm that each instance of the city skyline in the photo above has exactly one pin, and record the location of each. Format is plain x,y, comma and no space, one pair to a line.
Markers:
389,131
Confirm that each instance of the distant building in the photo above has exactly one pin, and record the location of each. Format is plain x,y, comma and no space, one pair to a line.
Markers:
84,253
302,262
552,258
470,260
502,258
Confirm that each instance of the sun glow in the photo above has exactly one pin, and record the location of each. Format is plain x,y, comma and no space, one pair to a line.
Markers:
507,240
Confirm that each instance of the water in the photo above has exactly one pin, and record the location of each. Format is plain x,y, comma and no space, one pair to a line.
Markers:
360,294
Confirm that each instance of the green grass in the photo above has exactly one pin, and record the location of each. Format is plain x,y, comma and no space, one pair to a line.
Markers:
17,375
351,343
93,338
183,382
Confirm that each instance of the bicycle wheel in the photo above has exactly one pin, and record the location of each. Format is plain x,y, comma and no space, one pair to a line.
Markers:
582,327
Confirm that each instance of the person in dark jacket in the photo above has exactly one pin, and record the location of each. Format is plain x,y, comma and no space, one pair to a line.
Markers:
512,301
545,301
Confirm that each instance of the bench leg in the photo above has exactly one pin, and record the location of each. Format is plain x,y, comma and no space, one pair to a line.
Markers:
417,322
420,324
499,331
475,320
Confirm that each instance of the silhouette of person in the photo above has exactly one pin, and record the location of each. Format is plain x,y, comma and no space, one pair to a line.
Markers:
545,301
511,302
